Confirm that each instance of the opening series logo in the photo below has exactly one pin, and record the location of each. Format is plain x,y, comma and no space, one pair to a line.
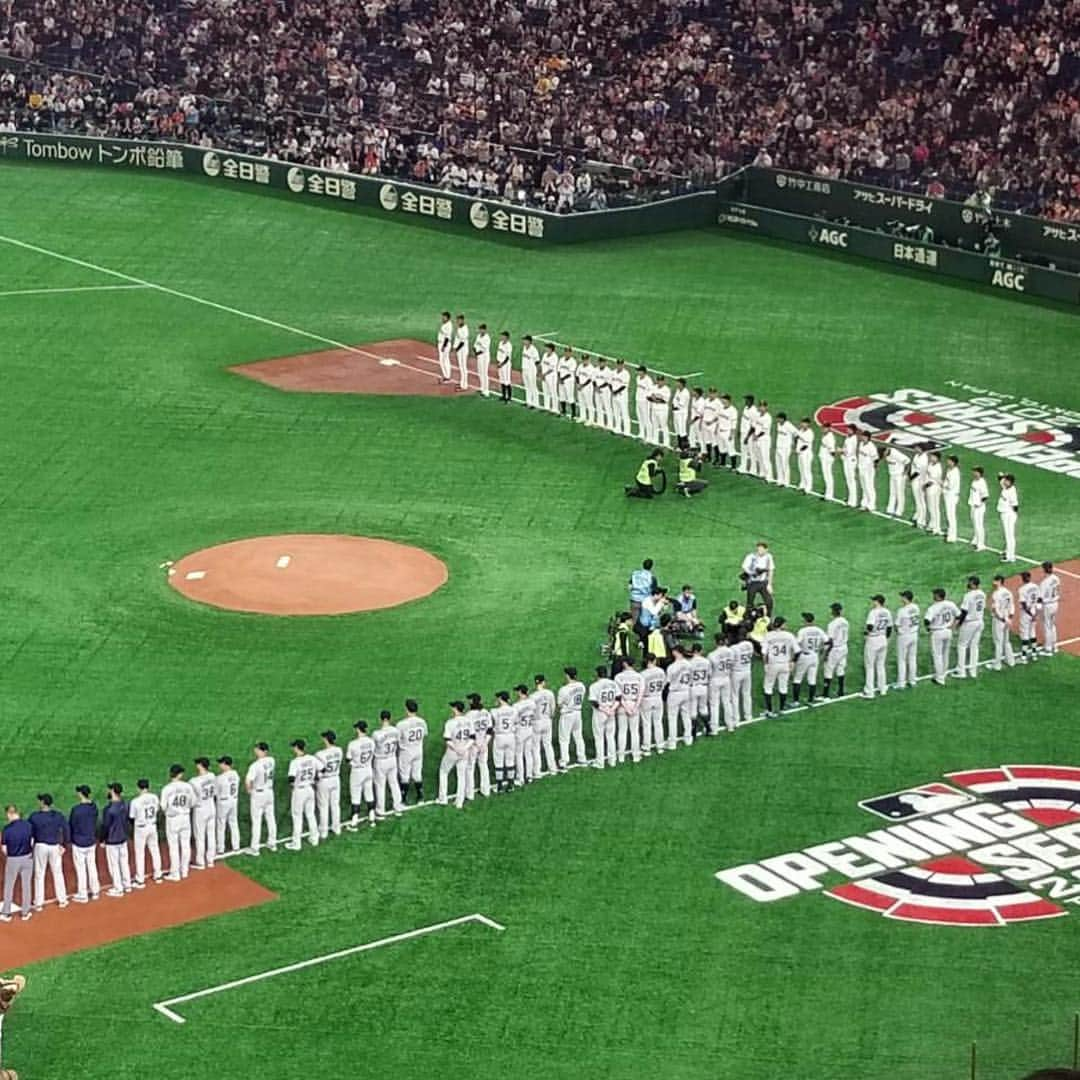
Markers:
1025,435
990,847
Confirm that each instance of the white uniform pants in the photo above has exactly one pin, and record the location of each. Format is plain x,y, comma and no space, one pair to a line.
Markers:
967,648
49,857
720,706
978,527
1008,527
897,493
411,767
907,659
328,800
851,471
463,367
361,787
178,838
644,418
918,495
262,809
228,820
303,814
503,750
805,461
742,704
587,398
603,733
551,393
570,728
939,650
386,776
875,652
528,378
680,418
444,360
783,467
1003,649
542,748
869,486
659,425
763,447
116,858
622,413
652,724
452,762
826,461
777,677
146,840
205,840
483,371
523,756
87,884
806,669
951,504
836,662
678,709
1050,634
605,408
478,765
629,734
933,510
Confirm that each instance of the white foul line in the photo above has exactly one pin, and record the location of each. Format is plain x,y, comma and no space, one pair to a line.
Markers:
69,289
164,1008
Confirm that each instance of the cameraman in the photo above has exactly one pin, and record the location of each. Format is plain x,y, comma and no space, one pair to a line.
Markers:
689,485
643,487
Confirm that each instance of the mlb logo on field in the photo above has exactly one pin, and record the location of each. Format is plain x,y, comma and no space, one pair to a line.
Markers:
917,801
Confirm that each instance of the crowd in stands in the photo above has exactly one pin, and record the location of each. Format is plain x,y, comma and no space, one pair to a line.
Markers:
521,99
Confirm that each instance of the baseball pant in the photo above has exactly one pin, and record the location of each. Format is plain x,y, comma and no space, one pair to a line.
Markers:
543,748
680,419
629,734
483,372
897,494
1050,634
228,820
720,706
551,393
262,809
826,461
851,469
745,445
205,840
644,419
659,426
806,670
452,762
18,869
907,660
622,413
303,812
478,765
764,456
869,486
444,362
723,442
836,662
523,756
678,709
116,858
87,883
49,857
361,787
951,503
652,724
603,733
570,728
178,838
742,704
918,495
587,397
410,768
933,510
978,527
967,649
1003,649
939,651
532,395
463,367
1026,630
144,840
783,467
605,408
1008,527
386,776
328,801
806,471
503,750
777,677
875,652
699,702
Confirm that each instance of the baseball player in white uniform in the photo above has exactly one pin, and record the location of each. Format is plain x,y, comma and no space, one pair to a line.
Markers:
586,390
804,454
919,464
811,640
504,364
653,680
1002,610
879,628
747,424
524,735
480,721
177,803
1050,598
827,452
602,382
710,424
445,340
1008,507
360,754
570,699
543,747
303,772
742,667
328,785
972,623
482,352
567,376
227,800
785,443
631,686
461,351
978,497
720,669
204,819
604,699
939,619
778,650
700,670
619,379
259,784
504,741
457,748
868,459
1028,597
697,418
763,441
849,458
549,377
680,678
643,386
950,494
727,421
896,465
530,363
837,634
907,620
412,731
660,397
680,413
934,487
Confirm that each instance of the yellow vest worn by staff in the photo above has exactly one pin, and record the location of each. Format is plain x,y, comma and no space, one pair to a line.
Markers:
734,618
687,472
657,645
761,628
644,474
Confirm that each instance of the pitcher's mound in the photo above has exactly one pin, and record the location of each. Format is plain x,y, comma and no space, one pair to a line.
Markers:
307,574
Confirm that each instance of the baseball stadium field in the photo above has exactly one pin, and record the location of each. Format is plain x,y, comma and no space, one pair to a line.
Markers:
607,945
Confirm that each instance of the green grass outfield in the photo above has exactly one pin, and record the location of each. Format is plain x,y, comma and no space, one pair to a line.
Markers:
124,442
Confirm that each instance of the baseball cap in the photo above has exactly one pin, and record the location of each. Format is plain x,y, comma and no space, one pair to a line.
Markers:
45,798
224,760
360,725
83,789
298,744
878,598
329,734
907,594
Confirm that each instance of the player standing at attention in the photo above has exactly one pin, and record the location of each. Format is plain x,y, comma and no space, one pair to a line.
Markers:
524,719
720,668
758,574
907,641
836,646
811,642
697,414
879,628
785,441
177,802
49,830
360,754
779,651
1008,507
1002,610
570,699
643,387
680,678
205,816
972,623
303,771
747,419
849,457
227,798
939,619
567,375
586,391
742,666
114,834
504,361
868,459
804,455
701,670
328,785
504,743
480,721
950,493
680,413
763,435
1050,598
445,342
919,464
727,422
631,686
605,403
978,497
542,746
549,377
933,486
461,351
530,363
827,454
143,811
482,352
619,381
660,398
457,740
604,699
1028,595
710,427
83,829
259,784
653,682
412,731
896,464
